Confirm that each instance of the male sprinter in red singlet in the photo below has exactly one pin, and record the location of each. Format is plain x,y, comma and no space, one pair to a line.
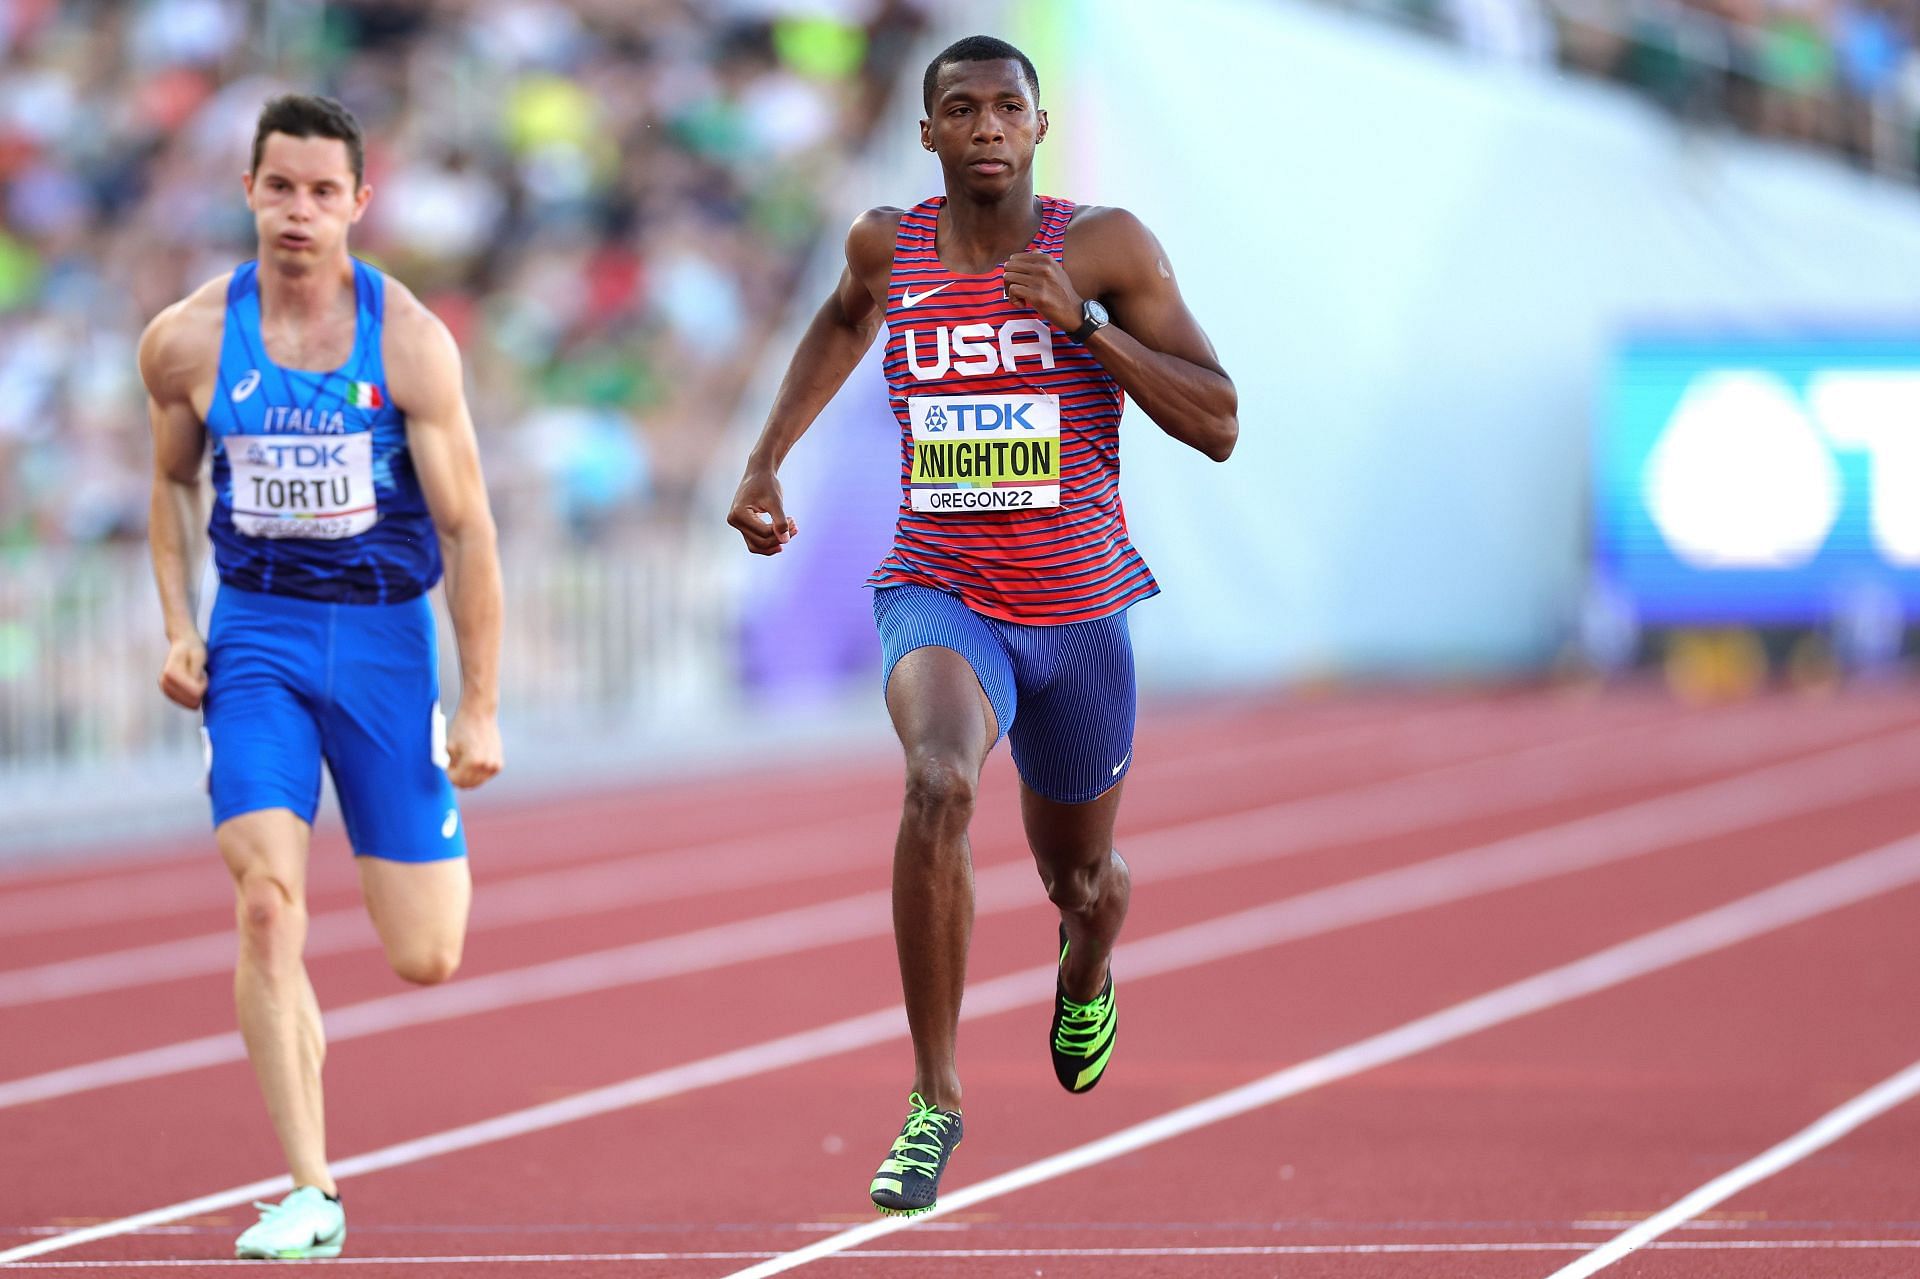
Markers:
344,467
1016,325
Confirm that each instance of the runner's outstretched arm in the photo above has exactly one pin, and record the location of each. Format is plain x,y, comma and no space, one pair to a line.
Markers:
178,507
1154,348
831,348
423,372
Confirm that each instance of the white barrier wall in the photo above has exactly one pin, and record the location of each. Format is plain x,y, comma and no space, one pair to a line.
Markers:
1414,264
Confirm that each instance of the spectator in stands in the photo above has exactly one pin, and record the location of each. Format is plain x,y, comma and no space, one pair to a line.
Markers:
606,199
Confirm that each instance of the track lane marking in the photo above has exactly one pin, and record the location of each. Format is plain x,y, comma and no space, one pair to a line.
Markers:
1384,808
668,874
1857,879
966,1254
180,884
1804,897
1746,800
1816,1136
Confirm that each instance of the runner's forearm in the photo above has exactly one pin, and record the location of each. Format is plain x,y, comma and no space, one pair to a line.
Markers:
172,538
474,601
1195,405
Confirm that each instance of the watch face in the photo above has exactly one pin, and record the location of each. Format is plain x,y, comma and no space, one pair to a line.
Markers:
1095,312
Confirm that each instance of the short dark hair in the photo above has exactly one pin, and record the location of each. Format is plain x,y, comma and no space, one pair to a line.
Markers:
978,49
305,115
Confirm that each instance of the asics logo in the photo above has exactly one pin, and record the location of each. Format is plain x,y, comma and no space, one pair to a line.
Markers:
246,385
909,299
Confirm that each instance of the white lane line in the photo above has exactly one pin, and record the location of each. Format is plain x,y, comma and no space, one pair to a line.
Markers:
1715,808
1473,787
202,884
968,1254
1188,848
824,848
1823,1132
1845,883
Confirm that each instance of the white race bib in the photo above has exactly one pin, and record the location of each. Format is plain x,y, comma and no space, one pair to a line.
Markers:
315,486
985,452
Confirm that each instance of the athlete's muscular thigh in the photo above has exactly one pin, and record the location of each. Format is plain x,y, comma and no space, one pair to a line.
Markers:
939,709
420,911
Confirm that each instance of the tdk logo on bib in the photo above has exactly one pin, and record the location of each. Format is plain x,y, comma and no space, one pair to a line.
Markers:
1000,414
297,456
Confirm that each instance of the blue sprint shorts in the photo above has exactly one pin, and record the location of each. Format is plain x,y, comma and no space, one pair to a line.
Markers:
1064,695
292,682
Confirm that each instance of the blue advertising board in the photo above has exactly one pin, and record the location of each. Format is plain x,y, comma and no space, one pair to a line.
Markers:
1764,481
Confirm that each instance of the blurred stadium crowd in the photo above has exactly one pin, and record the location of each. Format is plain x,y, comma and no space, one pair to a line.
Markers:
607,200
1840,74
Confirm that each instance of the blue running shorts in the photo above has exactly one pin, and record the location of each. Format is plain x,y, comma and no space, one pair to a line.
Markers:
1064,695
293,681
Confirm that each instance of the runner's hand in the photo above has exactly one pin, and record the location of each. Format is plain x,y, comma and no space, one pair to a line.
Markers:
184,678
760,515
1038,281
473,748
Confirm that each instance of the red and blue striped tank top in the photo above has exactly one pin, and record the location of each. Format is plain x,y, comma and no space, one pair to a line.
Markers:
1009,442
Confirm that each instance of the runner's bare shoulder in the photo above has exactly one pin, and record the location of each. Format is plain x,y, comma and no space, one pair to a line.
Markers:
407,314
870,242
422,359
180,348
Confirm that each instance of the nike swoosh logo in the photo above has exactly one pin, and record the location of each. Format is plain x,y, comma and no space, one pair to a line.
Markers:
1122,764
910,299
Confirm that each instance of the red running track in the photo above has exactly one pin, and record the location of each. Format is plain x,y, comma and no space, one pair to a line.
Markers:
685,998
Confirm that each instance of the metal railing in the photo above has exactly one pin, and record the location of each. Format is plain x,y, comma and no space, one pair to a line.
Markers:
597,639
80,652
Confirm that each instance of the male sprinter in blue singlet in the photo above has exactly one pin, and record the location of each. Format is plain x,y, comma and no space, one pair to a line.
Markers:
344,469
1016,324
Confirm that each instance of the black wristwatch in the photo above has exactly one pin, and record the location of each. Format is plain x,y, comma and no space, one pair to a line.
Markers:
1093,318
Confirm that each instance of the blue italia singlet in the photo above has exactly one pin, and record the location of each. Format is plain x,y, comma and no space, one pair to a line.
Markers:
315,494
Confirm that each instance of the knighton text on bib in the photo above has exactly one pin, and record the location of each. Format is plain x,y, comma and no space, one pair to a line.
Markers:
985,452
303,485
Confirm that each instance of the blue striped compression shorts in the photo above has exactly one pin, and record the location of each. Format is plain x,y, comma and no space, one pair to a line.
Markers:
1064,695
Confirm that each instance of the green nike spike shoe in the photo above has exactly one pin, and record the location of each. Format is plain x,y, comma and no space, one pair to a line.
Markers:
1083,1034
909,1177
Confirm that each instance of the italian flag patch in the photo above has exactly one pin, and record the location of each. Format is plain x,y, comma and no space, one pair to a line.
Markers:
366,395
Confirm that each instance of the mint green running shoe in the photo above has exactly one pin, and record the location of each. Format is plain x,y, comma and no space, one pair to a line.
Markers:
909,1177
1083,1035
305,1224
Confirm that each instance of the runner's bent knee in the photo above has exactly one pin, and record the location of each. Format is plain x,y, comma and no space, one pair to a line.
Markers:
940,788
273,919
425,965
1074,889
